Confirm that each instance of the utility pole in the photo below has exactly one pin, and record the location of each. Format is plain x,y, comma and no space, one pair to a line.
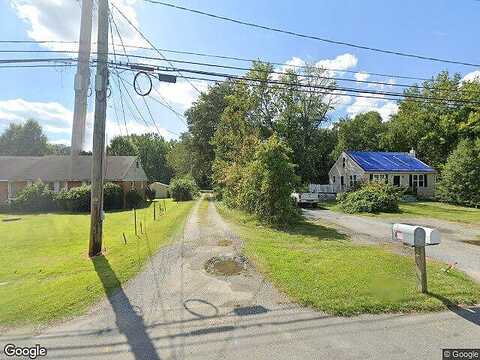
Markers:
82,79
98,156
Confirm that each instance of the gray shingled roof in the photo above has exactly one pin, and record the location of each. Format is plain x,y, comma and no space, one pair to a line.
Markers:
63,168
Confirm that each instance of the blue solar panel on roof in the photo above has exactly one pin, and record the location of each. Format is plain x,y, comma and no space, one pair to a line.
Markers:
388,161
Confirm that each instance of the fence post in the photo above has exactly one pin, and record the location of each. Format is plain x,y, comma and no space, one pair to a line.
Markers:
154,212
135,219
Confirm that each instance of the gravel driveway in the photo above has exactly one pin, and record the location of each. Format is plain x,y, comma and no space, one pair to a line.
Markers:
452,249
175,310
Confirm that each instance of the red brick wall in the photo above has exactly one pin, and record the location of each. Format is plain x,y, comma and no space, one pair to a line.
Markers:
3,191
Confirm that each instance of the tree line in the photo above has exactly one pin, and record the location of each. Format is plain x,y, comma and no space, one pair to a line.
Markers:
266,126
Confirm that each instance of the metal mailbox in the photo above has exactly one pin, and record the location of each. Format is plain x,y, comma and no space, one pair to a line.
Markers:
409,234
432,236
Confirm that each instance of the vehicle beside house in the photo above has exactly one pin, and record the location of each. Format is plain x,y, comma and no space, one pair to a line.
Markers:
400,169
66,172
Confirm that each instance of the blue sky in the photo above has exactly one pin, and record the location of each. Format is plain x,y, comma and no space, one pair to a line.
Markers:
441,28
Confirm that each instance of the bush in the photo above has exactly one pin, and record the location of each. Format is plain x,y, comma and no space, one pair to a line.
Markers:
35,197
133,199
184,189
267,184
112,196
460,183
371,197
76,199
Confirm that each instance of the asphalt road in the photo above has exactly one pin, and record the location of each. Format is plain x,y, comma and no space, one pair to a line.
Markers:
452,249
175,310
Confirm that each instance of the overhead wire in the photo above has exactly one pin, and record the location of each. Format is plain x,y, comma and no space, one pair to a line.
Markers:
313,37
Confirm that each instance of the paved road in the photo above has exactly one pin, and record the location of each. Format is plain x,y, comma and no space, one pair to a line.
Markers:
174,310
452,249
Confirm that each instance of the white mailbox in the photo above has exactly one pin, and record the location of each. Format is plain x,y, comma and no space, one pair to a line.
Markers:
409,234
432,236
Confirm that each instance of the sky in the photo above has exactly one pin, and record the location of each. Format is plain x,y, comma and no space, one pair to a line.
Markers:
439,28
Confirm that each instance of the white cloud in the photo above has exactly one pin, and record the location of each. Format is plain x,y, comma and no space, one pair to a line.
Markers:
362,76
386,108
49,113
181,93
473,76
337,65
59,20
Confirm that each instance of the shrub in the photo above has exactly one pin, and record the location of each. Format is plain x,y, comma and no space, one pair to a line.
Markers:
112,196
267,184
371,197
460,183
76,199
184,189
134,199
35,197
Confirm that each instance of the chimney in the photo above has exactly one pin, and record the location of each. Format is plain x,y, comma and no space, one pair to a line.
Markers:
413,153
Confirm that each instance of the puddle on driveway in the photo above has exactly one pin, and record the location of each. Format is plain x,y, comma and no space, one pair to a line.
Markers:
226,265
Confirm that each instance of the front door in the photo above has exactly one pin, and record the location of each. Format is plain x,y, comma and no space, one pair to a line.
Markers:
396,180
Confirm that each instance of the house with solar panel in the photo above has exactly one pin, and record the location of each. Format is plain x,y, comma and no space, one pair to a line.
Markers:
402,169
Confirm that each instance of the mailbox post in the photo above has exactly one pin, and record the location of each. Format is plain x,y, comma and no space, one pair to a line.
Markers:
418,237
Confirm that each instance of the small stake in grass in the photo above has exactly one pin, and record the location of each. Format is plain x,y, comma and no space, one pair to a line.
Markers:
124,238
164,207
135,220
141,229
154,212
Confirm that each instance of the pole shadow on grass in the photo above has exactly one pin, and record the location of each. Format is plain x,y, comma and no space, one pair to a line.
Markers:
127,320
471,314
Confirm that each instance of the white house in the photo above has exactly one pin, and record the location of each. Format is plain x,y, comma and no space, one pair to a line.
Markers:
397,168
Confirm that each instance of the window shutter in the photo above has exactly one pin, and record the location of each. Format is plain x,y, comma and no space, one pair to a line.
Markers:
425,183
386,178
410,180
371,177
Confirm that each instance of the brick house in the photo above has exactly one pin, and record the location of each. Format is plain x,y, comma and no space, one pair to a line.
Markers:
400,169
66,172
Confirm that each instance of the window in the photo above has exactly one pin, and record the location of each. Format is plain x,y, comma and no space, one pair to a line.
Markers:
56,186
333,179
344,162
342,181
419,181
379,177
353,180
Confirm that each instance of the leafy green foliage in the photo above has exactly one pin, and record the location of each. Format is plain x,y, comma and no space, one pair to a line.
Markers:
76,199
122,146
134,200
25,139
460,182
267,183
184,189
371,197
112,196
152,150
363,132
36,197
195,152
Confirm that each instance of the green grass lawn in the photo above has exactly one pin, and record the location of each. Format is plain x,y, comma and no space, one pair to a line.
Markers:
319,267
46,273
426,209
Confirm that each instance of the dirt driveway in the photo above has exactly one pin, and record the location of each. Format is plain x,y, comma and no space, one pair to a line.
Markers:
453,248
175,310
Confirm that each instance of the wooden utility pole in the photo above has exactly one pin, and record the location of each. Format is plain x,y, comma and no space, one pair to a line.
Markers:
98,156
82,79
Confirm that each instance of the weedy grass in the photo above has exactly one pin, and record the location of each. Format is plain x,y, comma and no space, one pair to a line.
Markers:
321,268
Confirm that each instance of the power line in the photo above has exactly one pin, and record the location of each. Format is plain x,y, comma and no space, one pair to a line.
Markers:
150,43
349,91
313,37
234,58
